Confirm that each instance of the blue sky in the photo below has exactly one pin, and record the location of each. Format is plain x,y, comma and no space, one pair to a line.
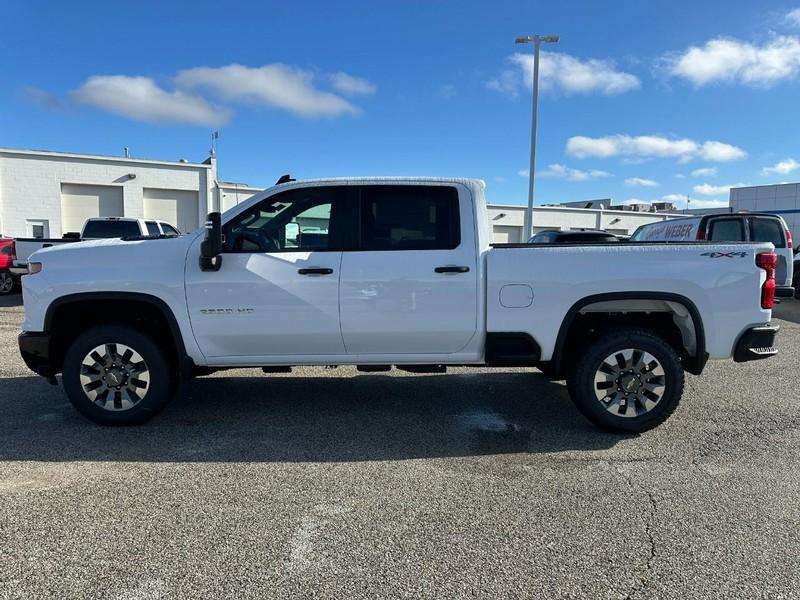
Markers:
640,100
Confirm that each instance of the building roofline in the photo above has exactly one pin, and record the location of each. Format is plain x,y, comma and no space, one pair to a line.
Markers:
588,210
104,157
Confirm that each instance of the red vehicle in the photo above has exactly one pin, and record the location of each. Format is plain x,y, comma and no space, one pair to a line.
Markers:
7,256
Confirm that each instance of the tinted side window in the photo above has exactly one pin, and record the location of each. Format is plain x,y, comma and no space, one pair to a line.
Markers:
409,218
726,230
111,229
152,228
295,220
767,230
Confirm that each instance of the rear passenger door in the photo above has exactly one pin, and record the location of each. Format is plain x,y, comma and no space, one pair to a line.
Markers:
410,285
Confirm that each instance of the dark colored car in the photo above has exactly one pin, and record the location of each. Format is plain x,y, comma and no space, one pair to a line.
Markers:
573,236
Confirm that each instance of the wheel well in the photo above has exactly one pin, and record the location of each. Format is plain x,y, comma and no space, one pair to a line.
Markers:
69,319
676,321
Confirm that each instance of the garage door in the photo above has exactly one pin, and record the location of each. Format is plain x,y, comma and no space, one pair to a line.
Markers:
176,207
505,234
80,202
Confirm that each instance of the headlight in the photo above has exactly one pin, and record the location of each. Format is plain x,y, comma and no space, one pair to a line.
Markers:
34,267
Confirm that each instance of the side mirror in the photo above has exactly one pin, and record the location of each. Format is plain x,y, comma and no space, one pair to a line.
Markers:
211,246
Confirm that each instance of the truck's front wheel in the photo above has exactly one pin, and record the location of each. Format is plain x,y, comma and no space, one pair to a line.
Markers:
628,381
115,375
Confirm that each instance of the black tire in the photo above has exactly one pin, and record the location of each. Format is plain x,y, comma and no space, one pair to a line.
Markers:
796,282
7,283
161,380
584,389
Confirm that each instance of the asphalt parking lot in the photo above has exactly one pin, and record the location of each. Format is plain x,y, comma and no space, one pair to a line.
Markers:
326,483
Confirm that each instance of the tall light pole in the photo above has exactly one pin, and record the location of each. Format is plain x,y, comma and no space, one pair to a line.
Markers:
536,40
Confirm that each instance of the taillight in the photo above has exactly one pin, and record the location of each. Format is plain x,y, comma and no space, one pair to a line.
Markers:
788,239
768,261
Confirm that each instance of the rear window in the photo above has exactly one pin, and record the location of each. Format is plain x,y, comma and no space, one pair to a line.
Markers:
726,230
767,230
110,229
152,228
409,218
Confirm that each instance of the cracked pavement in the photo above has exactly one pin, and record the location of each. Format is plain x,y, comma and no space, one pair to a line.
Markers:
479,483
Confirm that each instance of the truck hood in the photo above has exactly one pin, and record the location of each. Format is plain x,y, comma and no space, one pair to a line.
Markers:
96,249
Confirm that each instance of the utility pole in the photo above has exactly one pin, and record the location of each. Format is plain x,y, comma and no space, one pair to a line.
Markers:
536,40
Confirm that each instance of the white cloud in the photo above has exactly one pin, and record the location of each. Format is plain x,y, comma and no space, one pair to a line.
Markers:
350,85
40,97
720,152
706,189
557,171
704,172
793,17
706,203
276,85
733,61
783,167
640,182
564,73
141,99
651,146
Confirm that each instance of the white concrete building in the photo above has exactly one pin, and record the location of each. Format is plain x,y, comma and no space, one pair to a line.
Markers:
46,194
507,220
779,199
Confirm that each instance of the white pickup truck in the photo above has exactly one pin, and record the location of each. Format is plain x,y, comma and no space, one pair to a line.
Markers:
382,272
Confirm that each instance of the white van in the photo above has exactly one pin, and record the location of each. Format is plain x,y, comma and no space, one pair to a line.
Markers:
730,227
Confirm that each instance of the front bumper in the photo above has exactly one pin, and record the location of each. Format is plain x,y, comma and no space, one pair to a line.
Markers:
35,351
756,343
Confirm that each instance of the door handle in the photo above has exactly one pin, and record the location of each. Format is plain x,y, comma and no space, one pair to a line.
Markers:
315,271
451,269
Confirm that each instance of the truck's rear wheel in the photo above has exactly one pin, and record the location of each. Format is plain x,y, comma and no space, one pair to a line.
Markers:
627,382
115,375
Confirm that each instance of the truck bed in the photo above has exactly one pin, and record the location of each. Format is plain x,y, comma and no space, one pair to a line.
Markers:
719,282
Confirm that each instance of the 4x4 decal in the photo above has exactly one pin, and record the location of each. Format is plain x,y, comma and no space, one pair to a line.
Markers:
724,254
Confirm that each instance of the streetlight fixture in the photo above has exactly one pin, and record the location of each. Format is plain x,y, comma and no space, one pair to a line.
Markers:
536,40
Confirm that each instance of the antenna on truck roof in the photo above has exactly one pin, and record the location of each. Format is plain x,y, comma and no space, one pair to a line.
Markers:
284,179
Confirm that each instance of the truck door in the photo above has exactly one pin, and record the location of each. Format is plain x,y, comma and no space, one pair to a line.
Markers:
411,284
277,291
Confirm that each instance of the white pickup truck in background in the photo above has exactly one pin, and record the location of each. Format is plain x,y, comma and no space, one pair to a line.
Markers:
382,272
93,229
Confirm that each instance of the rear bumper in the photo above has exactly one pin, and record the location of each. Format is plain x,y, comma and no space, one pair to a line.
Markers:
784,291
35,351
756,343
19,268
